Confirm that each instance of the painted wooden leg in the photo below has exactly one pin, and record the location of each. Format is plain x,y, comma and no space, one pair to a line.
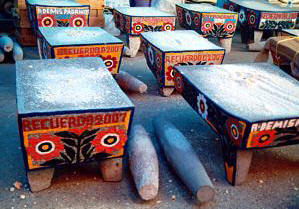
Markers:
166,91
134,43
40,179
39,48
258,34
226,43
236,163
111,169
244,35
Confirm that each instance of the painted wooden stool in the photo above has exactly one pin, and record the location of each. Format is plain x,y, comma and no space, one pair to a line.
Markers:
182,47
132,21
242,104
57,13
209,21
256,16
63,43
70,112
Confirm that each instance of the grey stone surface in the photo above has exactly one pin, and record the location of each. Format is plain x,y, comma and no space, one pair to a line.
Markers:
40,179
111,169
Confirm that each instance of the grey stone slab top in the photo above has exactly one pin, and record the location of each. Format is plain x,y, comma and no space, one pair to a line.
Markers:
179,40
206,8
59,36
54,3
253,92
261,5
142,12
66,85
293,32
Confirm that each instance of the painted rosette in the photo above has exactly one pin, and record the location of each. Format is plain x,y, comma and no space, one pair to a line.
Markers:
167,27
179,83
242,16
180,15
110,140
235,130
202,106
170,73
263,138
110,62
47,21
138,28
196,20
229,26
231,7
188,18
78,21
150,55
207,26
251,18
44,147
159,62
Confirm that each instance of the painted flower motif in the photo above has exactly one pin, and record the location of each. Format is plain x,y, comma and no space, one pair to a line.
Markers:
78,21
229,26
159,61
45,147
170,73
110,62
110,140
231,7
235,130
196,20
150,55
188,18
47,20
242,16
180,15
263,138
138,28
167,27
202,106
251,17
178,83
207,26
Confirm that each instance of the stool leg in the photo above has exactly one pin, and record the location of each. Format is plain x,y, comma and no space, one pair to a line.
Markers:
226,43
111,169
40,179
258,36
236,163
134,43
166,91
39,48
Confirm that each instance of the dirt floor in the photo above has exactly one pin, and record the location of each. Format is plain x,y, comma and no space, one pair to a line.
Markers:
273,180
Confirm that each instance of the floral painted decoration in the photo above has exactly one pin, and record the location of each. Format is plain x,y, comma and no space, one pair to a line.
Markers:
188,18
202,106
178,83
207,26
242,16
263,138
251,18
229,26
150,55
110,62
110,140
78,21
167,27
180,15
170,73
44,147
47,20
138,28
235,130
196,20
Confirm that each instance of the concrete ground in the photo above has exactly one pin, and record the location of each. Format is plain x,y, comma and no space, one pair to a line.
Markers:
273,180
